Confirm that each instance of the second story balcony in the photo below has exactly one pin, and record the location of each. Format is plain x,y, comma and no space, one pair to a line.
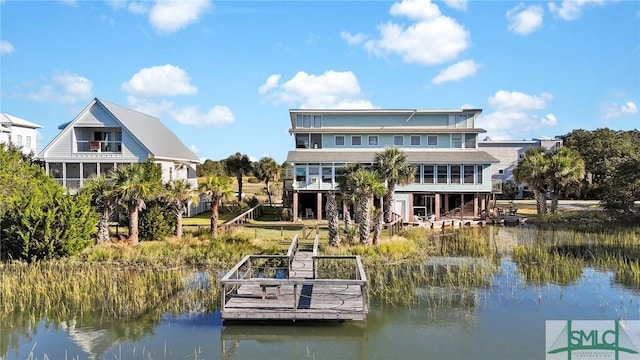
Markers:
100,146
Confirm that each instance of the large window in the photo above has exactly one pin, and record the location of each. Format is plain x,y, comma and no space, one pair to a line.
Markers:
327,174
301,173
468,174
398,140
455,174
428,176
308,141
373,140
314,173
317,121
479,174
415,140
432,140
308,121
442,174
339,140
470,141
356,140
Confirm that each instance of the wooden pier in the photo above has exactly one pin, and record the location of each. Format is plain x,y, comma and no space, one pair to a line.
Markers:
288,287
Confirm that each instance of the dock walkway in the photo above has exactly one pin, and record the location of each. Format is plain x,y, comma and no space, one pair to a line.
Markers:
287,287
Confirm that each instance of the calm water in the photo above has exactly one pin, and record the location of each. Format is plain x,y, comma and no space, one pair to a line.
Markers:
505,320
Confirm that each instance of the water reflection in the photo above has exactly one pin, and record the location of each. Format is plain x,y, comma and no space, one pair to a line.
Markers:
471,307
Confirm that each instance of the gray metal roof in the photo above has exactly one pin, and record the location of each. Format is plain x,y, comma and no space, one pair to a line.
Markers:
151,132
434,157
16,121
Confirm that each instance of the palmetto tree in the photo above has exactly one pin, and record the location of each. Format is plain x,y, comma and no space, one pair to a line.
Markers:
266,169
332,218
179,195
216,188
365,184
347,196
394,168
133,186
237,165
565,173
103,198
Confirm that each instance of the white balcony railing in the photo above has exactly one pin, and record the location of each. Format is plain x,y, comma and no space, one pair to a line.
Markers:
99,146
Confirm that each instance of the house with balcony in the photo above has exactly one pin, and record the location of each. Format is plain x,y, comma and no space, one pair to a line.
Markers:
453,176
509,152
105,136
19,132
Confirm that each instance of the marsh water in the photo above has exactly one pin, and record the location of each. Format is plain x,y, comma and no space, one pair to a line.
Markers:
504,318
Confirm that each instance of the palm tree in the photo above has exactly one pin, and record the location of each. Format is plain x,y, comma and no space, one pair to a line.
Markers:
365,184
347,196
332,217
237,165
179,194
102,197
266,169
133,186
566,171
533,170
216,188
395,170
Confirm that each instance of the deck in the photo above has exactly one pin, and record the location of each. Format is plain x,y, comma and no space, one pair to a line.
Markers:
288,287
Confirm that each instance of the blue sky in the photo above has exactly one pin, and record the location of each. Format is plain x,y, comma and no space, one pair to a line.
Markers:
223,74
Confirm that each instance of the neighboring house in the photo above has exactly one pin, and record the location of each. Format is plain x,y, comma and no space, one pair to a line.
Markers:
19,132
453,177
509,153
104,136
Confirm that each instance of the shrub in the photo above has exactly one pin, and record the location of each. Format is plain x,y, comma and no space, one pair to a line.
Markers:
156,222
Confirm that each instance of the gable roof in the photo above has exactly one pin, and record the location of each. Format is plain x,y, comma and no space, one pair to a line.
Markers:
16,121
151,132
148,130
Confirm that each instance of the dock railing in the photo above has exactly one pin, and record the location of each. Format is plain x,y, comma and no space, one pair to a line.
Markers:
244,218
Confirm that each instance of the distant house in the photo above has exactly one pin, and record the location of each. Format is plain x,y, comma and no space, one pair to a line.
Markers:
19,132
509,153
104,136
453,174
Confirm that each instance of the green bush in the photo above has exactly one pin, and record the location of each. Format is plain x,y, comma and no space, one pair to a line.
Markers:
156,222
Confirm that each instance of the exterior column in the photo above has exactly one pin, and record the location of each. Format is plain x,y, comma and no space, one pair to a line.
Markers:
437,205
475,205
295,206
483,202
446,203
319,207
461,206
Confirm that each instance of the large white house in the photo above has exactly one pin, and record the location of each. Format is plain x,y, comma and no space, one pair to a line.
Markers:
19,132
509,153
453,173
104,136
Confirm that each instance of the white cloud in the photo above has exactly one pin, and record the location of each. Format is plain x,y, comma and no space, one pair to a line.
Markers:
331,90
457,4
169,16
190,115
616,110
514,115
433,39
353,39
6,47
271,83
510,100
456,72
572,9
194,149
524,20
66,88
164,80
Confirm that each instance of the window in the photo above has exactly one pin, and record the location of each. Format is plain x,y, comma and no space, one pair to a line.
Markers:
455,174
398,140
452,121
356,140
432,140
327,175
373,140
468,174
456,141
428,174
339,140
314,173
479,174
301,173
442,174
470,141
415,140
19,140
501,171
317,121
306,121
316,141
28,143
462,121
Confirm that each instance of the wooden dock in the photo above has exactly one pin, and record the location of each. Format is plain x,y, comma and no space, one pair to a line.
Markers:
287,287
